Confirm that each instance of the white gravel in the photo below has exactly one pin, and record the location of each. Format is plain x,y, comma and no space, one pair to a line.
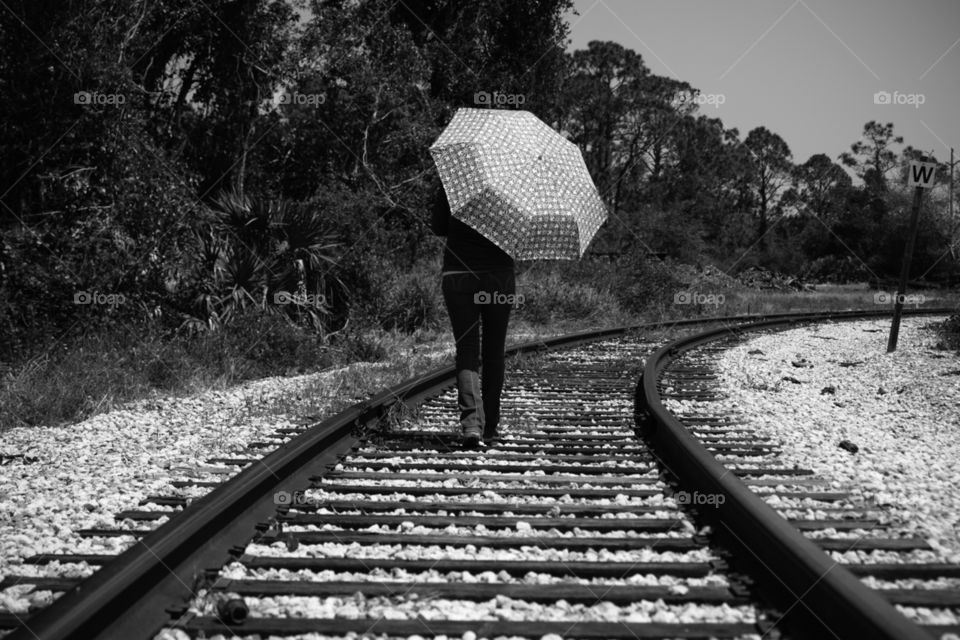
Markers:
902,410
533,552
78,476
499,608
317,496
524,413
238,572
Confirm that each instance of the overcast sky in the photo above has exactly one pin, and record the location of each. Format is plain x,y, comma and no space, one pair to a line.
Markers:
807,70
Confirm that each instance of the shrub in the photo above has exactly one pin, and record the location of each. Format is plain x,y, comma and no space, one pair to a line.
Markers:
549,296
949,331
412,301
97,370
641,283
837,270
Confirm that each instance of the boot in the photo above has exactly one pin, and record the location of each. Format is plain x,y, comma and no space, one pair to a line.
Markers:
471,406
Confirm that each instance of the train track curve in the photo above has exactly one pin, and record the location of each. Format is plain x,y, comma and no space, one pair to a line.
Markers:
579,505
824,597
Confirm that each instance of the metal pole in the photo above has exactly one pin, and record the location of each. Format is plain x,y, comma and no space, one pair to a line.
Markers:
953,226
904,271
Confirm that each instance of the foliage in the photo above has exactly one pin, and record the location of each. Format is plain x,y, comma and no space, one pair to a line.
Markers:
949,331
258,254
411,300
548,296
207,165
871,157
108,365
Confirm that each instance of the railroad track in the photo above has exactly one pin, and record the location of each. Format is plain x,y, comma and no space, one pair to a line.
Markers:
815,592
375,522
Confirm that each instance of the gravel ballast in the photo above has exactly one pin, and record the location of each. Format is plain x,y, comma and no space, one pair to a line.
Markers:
901,410
55,481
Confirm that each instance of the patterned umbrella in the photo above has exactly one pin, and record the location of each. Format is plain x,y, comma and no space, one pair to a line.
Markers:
519,183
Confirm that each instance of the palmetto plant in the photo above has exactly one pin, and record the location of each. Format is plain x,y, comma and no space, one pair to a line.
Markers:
275,255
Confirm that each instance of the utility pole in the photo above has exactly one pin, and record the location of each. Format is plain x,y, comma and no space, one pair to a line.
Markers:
953,226
919,175
904,271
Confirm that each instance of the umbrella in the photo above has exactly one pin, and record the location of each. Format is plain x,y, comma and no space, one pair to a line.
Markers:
519,183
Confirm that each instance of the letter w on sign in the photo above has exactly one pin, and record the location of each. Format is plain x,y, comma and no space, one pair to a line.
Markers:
921,174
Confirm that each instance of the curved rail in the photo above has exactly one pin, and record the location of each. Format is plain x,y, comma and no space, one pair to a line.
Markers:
818,594
131,596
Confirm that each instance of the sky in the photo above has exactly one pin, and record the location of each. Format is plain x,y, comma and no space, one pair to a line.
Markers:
808,70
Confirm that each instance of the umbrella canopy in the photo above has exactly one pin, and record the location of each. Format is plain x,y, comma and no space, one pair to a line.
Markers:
519,183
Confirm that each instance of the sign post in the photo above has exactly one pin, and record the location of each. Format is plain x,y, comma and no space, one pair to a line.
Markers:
920,176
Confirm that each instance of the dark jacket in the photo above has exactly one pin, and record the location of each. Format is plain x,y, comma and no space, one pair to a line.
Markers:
466,249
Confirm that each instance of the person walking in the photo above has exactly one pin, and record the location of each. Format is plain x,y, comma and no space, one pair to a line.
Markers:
512,189
478,284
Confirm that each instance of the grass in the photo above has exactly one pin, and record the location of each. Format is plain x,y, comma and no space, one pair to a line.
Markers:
826,297
98,372
101,372
950,334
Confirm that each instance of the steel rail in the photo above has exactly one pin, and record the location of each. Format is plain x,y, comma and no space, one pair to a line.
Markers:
139,591
820,598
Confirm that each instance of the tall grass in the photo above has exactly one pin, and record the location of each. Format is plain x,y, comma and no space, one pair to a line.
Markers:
404,330
100,370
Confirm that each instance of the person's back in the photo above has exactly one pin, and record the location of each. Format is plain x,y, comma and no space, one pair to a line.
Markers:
466,248
478,280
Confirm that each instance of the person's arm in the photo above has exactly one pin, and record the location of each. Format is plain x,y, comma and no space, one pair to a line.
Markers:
440,221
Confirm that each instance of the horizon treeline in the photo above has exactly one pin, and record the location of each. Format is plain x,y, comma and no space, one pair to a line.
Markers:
184,163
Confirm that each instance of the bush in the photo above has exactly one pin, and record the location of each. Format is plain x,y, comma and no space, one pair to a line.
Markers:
95,371
949,331
360,344
641,283
397,300
835,270
411,302
549,296
258,344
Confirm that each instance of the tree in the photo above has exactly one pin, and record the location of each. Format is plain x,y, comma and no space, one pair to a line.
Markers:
818,184
91,202
770,168
214,74
871,157
653,126
708,179
606,78
514,48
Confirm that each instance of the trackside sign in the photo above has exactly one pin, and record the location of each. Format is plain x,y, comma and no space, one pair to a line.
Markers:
921,174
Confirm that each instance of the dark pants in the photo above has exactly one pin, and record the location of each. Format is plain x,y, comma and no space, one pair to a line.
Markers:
475,299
